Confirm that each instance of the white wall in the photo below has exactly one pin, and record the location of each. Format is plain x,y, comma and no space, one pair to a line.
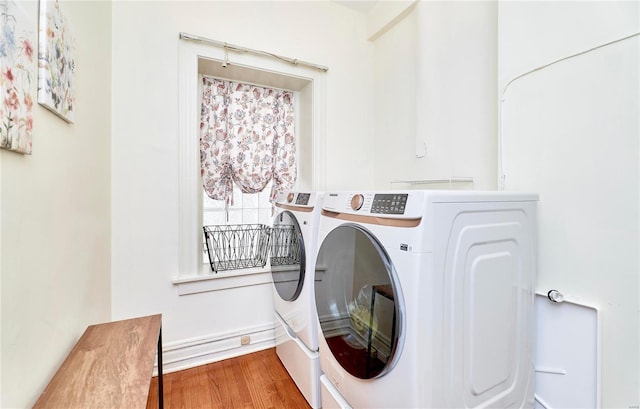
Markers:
571,132
55,255
145,142
435,76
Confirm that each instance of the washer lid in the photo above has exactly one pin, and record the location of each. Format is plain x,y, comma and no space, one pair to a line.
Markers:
358,301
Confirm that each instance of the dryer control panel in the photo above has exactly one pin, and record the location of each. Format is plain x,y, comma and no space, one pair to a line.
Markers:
389,203
385,204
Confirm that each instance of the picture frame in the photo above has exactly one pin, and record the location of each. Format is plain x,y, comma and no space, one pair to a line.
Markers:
18,60
56,61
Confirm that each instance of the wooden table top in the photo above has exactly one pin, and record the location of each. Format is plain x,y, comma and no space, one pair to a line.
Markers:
385,290
109,367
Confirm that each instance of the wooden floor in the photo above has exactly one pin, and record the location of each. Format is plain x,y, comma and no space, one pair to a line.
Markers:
255,380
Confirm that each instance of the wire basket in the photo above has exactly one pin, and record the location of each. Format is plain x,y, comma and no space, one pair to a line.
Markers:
285,246
237,246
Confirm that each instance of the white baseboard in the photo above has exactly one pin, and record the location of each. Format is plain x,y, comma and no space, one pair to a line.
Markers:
189,353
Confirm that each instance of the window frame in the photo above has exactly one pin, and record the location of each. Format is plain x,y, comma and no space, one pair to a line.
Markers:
189,196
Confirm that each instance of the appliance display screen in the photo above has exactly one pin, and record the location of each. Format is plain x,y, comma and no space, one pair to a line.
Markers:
303,199
389,203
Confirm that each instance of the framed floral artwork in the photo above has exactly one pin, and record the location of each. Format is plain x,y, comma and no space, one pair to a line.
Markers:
17,76
56,63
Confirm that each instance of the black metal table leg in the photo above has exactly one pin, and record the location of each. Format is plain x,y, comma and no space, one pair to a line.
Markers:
160,387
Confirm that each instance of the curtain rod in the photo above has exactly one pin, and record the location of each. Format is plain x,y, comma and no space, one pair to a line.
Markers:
232,47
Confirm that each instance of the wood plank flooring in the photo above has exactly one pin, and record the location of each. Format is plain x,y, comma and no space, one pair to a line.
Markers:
257,380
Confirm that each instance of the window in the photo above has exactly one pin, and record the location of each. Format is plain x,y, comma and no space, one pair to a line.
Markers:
196,59
248,139
247,208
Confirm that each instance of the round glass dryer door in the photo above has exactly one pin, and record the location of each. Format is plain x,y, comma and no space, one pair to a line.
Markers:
287,256
358,301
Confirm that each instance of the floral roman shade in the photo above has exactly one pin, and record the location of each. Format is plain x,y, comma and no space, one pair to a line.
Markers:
246,137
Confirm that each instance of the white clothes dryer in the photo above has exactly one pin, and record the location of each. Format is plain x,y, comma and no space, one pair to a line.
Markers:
426,299
292,258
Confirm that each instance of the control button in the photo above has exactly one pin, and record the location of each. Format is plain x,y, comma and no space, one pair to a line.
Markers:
385,203
357,201
290,197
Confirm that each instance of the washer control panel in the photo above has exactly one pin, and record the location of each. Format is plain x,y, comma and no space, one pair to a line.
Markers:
303,199
389,203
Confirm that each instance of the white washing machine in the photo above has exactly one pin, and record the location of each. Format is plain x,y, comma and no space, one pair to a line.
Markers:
292,257
426,299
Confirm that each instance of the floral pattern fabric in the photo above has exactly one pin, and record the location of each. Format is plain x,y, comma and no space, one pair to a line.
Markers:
17,70
246,137
56,62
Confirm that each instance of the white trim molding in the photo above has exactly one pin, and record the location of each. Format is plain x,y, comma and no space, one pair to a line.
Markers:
189,353
223,281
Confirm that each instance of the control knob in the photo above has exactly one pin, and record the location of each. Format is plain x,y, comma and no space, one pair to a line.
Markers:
357,201
290,197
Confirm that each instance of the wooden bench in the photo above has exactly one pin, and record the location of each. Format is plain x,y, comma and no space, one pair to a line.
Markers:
110,366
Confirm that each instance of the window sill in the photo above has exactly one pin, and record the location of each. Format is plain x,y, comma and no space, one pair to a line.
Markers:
223,280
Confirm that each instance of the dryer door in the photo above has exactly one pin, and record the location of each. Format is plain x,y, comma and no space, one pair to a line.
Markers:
287,256
358,301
